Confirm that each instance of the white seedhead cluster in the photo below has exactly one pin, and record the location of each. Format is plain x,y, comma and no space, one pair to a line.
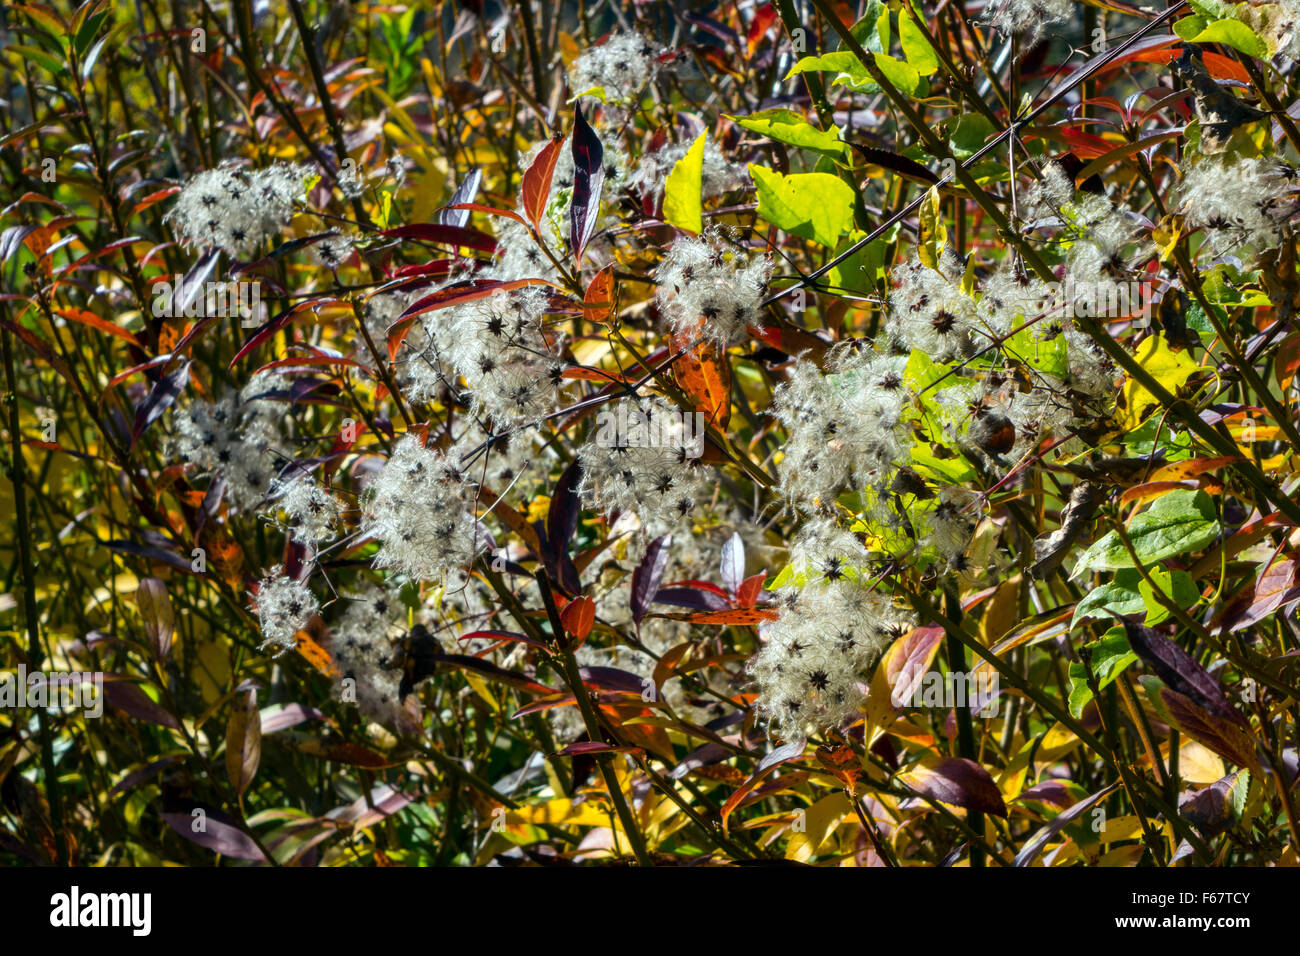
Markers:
237,210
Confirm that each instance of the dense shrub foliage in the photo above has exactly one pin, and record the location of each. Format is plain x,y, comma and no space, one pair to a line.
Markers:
854,433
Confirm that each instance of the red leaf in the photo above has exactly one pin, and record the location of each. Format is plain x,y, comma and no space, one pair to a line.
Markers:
444,298
537,180
578,617
490,210
82,317
749,590
764,17
443,235
278,322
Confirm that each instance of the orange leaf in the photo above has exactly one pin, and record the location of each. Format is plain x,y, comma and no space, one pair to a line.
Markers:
1288,360
316,655
537,180
742,616
598,302
705,375
1192,468
82,317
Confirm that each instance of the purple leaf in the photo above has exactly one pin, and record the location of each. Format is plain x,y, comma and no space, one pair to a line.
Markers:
612,678
367,811
733,563
464,193
277,717
159,619
192,284
693,598
1209,810
1175,667
561,524
160,398
1059,823
648,576
958,781
218,833
153,553
131,700
1049,791
12,238
588,178
443,234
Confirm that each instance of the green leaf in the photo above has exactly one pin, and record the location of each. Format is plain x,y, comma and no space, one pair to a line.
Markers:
955,470
872,28
1171,368
861,272
84,36
682,203
1177,585
916,47
787,126
922,371
1111,655
1032,348
848,69
1080,692
39,57
969,135
1118,597
1127,594
1229,32
902,75
1179,522
814,206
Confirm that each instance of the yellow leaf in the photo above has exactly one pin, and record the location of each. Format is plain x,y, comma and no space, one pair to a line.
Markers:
1170,368
934,234
682,204
1167,234
1198,764
588,813
569,49
1058,742
816,824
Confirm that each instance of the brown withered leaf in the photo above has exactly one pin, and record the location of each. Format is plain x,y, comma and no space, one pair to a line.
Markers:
843,762
1050,549
1231,739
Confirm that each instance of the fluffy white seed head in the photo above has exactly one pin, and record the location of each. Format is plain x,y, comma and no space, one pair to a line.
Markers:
622,66
708,289
420,509
236,210
284,607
